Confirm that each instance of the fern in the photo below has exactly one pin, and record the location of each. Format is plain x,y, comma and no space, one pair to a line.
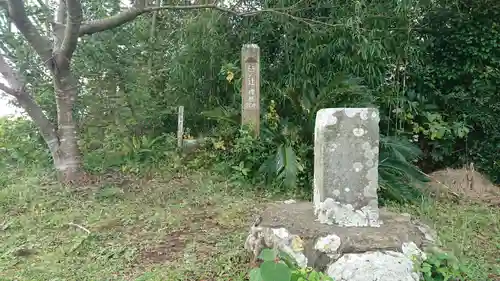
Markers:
223,115
398,176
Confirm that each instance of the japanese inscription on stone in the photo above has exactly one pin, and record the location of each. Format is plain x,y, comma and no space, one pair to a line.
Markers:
251,102
250,91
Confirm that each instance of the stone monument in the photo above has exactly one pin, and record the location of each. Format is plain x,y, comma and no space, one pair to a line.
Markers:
180,127
343,232
346,144
250,89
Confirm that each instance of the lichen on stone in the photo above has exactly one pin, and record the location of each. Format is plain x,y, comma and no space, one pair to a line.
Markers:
261,238
332,212
333,147
351,112
387,266
297,244
411,250
358,132
357,166
329,245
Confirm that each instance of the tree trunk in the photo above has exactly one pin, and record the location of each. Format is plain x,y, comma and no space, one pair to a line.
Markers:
67,156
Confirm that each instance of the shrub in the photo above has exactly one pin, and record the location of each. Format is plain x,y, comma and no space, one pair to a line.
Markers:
440,266
282,158
21,144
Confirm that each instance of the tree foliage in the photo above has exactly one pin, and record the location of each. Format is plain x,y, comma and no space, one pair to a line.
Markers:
460,77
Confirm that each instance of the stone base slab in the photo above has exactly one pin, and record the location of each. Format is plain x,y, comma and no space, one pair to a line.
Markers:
293,228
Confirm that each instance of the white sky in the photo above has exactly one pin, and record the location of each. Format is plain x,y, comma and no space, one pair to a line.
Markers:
5,108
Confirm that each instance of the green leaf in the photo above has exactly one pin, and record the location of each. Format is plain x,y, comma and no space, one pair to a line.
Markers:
268,255
272,271
287,166
426,268
288,260
255,275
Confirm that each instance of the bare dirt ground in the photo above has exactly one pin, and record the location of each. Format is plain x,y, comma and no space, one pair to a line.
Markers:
464,185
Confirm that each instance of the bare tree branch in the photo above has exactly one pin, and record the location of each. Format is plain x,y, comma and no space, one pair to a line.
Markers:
17,14
61,12
47,129
10,75
18,91
132,13
71,33
89,28
59,26
8,90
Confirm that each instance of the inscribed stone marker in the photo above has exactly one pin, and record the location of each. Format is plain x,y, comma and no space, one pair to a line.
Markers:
250,90
180,126
346,148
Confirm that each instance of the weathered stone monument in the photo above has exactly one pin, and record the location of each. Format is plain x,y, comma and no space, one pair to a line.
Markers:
343,232
346,144
250,90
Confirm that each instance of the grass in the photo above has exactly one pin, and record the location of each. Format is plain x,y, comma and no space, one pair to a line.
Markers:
177,228
173,229
470,231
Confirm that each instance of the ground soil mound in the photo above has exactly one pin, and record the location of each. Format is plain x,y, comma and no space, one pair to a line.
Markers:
463,185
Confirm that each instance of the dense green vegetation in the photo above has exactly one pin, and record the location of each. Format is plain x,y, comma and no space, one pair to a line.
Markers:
431,67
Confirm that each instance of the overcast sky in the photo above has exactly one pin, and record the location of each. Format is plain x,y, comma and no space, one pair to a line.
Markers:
5,108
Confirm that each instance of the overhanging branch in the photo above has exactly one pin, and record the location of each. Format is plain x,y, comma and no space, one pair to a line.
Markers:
10,75
132,13
17,13
8,90
18,91
47,129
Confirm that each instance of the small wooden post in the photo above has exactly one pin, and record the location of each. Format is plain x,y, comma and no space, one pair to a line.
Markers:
250,90
180,126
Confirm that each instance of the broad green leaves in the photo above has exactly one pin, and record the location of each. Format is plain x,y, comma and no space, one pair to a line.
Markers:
275,271
440,266
278,266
